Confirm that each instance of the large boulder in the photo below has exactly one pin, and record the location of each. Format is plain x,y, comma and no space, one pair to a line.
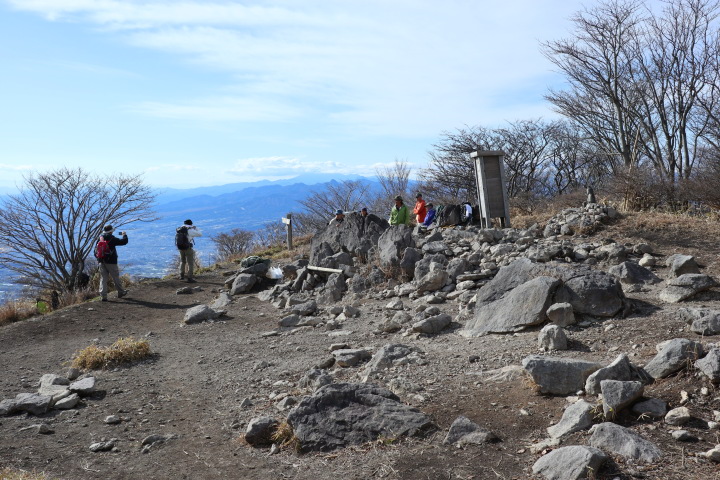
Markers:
570,463
624,442
243,283
632,273
523,306
392,244
674,356
620,369
343,414
559,376
433,280
593,293
686,286
680,264
356,235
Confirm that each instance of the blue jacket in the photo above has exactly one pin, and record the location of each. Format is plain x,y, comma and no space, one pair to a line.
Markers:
429,217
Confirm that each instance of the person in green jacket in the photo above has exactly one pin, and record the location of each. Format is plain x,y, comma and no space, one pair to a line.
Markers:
399,215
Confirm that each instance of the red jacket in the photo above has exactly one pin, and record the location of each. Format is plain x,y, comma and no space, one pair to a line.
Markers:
420,210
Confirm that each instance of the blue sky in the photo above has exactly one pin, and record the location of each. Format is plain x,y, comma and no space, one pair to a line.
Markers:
195,93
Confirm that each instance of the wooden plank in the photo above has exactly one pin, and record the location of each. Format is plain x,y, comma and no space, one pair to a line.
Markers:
323,269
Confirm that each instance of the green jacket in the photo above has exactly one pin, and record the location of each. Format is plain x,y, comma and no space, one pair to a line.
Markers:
400,216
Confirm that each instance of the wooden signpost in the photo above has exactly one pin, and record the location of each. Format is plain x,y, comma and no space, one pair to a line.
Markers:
287,220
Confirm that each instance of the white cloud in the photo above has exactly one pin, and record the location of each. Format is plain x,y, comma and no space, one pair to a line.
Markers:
394,67
279,167
16,168
169,167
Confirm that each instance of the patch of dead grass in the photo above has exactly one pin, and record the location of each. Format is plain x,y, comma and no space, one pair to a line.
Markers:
11,474
285,437
16,310
123,351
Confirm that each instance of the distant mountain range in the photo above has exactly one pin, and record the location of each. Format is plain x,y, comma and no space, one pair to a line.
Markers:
214,210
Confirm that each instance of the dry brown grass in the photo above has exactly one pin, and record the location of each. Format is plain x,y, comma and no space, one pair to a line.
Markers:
285,437
123,351
11,474
16,310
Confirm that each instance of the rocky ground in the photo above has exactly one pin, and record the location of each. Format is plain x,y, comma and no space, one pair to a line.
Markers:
207,381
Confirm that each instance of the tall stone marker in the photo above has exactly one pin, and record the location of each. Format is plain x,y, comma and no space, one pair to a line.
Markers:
491,191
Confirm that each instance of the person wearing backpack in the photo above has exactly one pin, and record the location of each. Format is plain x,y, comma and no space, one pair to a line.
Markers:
107,257
184,241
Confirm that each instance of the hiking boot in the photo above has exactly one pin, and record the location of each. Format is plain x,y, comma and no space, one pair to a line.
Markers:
122,294
191,280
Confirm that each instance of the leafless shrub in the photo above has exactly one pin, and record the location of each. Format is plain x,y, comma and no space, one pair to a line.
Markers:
236,242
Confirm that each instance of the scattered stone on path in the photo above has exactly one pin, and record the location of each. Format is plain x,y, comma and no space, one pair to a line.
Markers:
259,431
433,325
686,286
617,395
684,436
710,365
103,446
653,408
674,356
552,337
200,313
561,314
678,416
350,357
84,386
578,416
570,463
620,369
624,442
560,376
32,403
680,264
463,432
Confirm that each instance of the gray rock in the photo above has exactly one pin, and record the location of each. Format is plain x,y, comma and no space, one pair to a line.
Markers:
674,356
654,408
570,463
552,337
433,325
52,379
73,373
686,286
556,375
243,283
32,403
456,267
578,416
350,357
184,291
343,414
684,436
259,431
632,274
710,365
523,306
620,369
351,312
200,313
707,324
395,304
357,235
434,247
57,391
388,356
67,403
222,301
681,264
463,432
84,386
7,407
304,309
624,442
102,446
286,403
678,416
647,260
289,321
561,314
407,264
393,242
315,379
112,420
594,293
618,395
435,279
154,438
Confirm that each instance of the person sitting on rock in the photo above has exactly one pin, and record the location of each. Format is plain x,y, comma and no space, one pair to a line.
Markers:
364,212
420,210
399,215
339,218
430,216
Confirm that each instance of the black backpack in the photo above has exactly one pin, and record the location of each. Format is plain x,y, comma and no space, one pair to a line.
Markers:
182,240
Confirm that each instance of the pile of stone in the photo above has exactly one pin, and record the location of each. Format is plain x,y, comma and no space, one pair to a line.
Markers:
54,392
619,386
586,219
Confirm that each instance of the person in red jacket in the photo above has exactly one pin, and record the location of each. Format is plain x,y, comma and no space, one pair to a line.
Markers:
420,211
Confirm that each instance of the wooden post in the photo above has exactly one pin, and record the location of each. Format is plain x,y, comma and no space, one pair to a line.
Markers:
288,221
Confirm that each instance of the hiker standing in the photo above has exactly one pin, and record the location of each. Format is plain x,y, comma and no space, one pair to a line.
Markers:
184,240
420,211
108,258
399,215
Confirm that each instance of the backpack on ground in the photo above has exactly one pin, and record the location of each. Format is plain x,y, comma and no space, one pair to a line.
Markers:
182,240
103,252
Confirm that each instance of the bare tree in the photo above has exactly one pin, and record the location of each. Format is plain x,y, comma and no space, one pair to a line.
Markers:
394,180
51,227
236,242
320,205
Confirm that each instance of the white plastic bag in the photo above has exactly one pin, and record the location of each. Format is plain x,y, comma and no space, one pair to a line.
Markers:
274,273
